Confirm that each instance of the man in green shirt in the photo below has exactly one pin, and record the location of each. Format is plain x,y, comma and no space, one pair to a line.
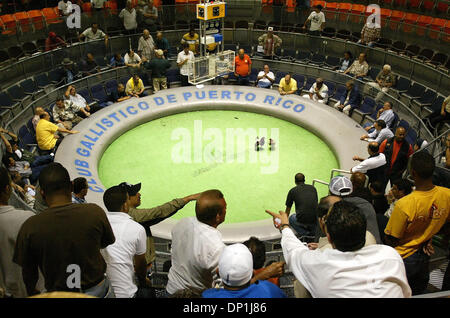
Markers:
161,43
152,216
159,67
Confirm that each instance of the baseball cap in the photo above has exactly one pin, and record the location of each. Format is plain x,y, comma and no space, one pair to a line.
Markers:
270,29
340,186
236,265
132,189
159,52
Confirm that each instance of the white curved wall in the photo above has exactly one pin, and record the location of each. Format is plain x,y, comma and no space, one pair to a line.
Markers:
80,153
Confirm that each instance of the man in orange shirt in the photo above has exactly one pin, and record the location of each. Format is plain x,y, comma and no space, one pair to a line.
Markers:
416,218
242,68
397,151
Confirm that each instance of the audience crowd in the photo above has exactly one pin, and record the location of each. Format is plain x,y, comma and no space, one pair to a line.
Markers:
371,236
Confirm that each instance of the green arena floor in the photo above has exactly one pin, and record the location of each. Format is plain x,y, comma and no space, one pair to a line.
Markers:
173,157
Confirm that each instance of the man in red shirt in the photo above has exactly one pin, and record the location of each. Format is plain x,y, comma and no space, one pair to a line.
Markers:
397,151
53,42
242,68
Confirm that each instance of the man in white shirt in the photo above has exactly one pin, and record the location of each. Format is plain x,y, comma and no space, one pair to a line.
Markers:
265,78
197,245
65,7
385,113
349,269
132,59
93,33
318,92
125,258
374,166
380,134
317,19
182,61
128,16
146,45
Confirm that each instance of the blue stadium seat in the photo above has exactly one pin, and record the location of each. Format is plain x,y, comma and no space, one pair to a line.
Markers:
303,57
309,82
17,94
55,77
434,107
253,75
29,87
415,91
102,63
317,59
340,91
111,86
288,54
403,123
173,76
367,107
7,102
42,81
372,74
331,88
87,96
411,136
27,140
402,84
279,76
332,62
417,105
300,79
98,93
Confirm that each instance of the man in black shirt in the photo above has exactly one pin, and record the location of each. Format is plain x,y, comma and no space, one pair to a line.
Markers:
305,198
64,241
119,95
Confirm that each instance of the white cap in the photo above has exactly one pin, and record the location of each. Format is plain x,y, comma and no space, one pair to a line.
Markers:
159,52
270,29
236,265
340,186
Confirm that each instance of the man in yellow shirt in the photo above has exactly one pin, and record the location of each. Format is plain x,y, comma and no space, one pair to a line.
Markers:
288,85
192,39
135,87
46,137
416,218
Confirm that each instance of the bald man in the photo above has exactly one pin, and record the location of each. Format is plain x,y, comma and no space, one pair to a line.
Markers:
243,68
197,245
374,166
305,198
318,92
397,152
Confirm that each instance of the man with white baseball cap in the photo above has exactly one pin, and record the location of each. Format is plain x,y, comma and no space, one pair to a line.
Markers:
341,186
269,42
236,271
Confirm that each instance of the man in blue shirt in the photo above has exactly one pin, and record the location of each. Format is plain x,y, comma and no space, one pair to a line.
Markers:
385,113
236,271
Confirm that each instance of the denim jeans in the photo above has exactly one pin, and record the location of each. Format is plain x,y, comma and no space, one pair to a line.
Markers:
264,84
417,271
301,229
243,80
102,290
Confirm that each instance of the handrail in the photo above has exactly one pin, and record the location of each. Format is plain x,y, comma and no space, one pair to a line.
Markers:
338,170
319,181
433,143
412,62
